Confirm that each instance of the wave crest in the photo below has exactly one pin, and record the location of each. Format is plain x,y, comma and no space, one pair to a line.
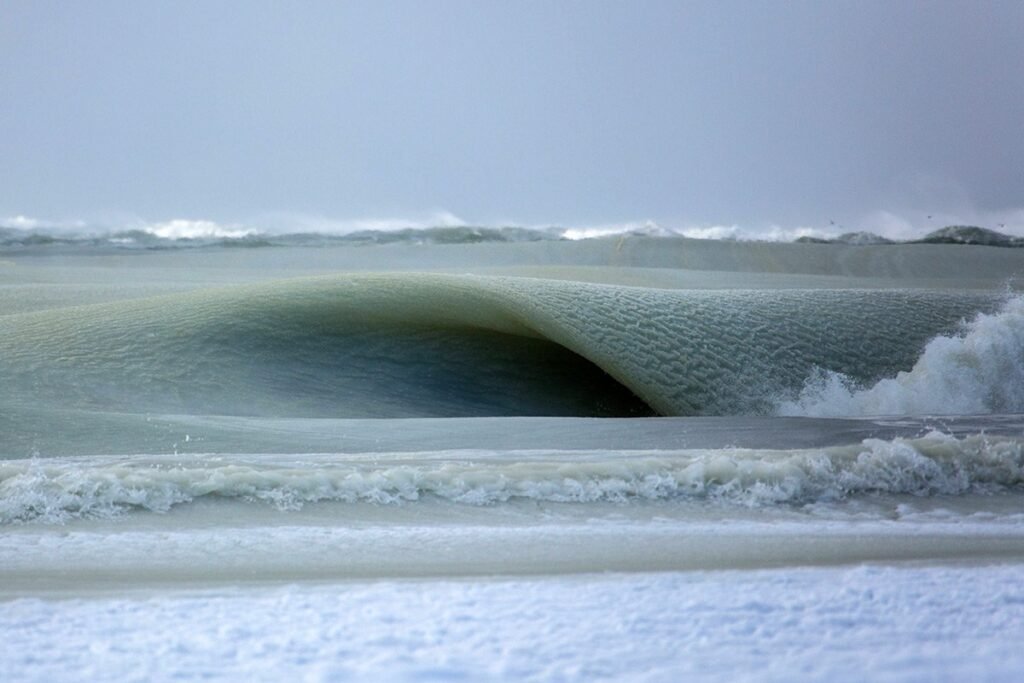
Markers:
433,345
60,490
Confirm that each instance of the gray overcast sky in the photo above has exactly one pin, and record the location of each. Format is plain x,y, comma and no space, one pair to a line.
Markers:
534,112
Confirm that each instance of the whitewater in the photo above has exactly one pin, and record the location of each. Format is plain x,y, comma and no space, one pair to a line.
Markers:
459,454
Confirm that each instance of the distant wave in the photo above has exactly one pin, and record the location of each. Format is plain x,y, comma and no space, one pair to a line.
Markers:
59,490
164,237
951,234
181,234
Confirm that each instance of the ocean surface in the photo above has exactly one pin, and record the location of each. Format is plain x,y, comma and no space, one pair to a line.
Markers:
469,455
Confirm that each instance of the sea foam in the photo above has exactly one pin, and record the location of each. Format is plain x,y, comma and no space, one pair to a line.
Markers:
980,371
62,489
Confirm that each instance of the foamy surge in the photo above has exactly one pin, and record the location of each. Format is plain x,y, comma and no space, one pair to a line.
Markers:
978,372
55,491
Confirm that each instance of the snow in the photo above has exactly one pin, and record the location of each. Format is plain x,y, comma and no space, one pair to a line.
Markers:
882,623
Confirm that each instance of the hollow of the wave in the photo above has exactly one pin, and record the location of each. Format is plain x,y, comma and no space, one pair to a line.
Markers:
387,371
433,373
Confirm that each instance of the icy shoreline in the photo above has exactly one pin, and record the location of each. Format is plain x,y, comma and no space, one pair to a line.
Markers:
894,623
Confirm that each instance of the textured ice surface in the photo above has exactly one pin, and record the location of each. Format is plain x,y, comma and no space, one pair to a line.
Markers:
851,624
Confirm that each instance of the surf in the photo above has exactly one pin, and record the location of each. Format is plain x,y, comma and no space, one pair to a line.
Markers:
59,490
980,370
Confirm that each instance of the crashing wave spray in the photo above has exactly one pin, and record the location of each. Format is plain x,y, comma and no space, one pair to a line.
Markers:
59,490
978,372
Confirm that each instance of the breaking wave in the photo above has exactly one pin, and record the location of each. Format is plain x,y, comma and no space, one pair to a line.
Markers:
979,371
21,233
64,489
